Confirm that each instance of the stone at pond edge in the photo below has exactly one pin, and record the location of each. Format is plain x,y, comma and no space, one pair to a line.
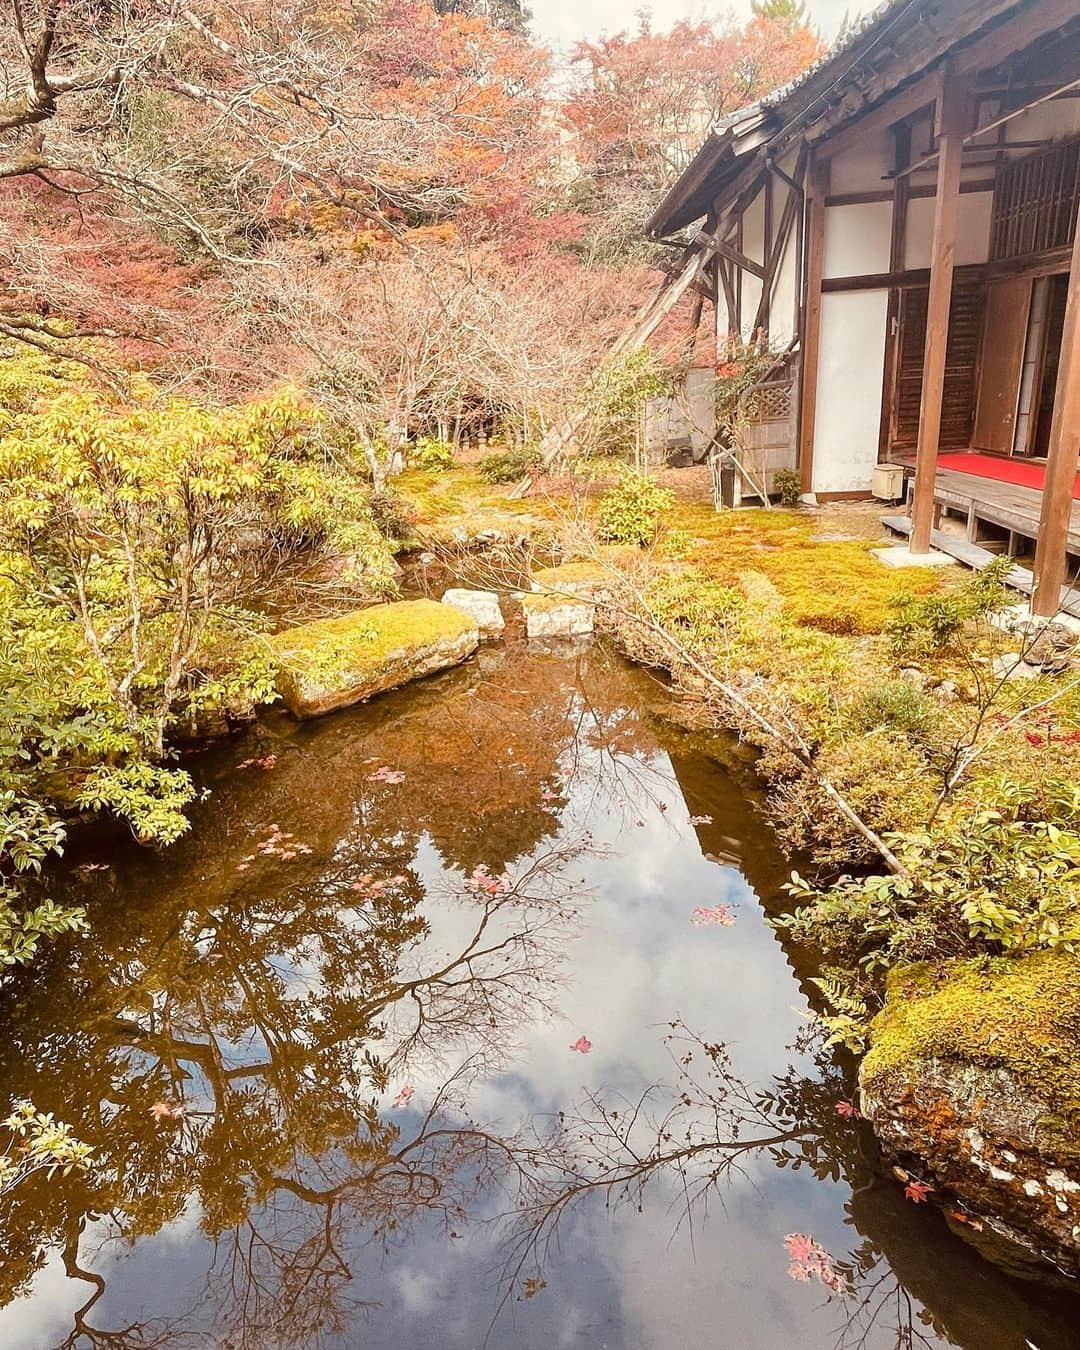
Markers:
553,616
334,663
481,606
574,581
973,1083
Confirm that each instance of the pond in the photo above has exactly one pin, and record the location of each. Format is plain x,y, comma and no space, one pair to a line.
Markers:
456,1021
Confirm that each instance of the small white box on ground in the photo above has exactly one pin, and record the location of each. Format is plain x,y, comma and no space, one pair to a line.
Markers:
887,483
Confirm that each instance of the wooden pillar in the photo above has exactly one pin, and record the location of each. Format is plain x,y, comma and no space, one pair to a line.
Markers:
1057,498
817,186
953,116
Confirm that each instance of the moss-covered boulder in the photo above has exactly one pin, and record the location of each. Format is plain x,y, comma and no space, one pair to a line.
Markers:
575,581
337,662
972,1081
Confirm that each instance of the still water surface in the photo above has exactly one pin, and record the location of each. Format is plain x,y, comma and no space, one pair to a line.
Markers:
417,1043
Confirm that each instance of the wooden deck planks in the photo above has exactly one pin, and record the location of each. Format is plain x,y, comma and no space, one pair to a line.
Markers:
1019,578
1009,505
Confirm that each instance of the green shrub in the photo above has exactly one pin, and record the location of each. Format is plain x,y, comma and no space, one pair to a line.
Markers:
507,466
630,512
431,454
989,883
893,704
788,486
932,623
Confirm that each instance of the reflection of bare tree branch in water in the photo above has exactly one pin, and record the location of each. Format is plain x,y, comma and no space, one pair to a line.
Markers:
691,1138
697,1134
284,1020
877,1300
156,1334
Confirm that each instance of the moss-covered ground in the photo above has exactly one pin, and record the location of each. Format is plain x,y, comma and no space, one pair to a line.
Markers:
817,606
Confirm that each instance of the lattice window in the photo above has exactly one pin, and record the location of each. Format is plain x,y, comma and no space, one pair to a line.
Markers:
771,402
1035,202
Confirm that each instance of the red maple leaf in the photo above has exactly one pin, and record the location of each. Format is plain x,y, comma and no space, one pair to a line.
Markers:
917,1191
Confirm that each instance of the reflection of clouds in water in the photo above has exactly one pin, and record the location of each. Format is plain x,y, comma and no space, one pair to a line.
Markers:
167,1273
44,1319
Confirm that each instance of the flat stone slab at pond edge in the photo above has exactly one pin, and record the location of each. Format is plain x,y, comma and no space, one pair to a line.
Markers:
481,606
554,616
334,663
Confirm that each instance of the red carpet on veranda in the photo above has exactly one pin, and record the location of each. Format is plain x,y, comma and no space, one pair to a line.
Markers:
1019,471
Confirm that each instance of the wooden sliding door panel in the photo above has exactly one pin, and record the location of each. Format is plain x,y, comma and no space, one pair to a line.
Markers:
961,366
1005,338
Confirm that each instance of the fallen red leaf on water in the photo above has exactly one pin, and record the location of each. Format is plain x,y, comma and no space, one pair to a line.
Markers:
265,762
810,1260
481,879
172,1111
917,1191
582,1045
800,1246
404,1096
719,915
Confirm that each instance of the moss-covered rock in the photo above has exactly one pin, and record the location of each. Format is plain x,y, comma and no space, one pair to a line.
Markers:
574,581
337,662
973,1081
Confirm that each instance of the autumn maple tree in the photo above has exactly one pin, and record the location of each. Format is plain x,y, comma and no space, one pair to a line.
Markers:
642,102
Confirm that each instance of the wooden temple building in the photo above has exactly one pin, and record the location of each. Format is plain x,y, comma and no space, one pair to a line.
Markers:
900,226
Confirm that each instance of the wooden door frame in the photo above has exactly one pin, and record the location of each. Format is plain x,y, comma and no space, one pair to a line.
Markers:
1040,376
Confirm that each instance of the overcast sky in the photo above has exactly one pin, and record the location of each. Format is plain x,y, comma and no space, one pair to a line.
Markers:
561,23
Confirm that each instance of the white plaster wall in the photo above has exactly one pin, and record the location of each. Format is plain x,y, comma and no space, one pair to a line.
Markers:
863,167
753,229
722,322
782,312
751,298
849,390
753,245
857,239
972,229
1052,120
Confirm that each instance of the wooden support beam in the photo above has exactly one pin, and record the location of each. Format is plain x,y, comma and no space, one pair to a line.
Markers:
1057,498
817,187
953,114
881,105
990,126
734,255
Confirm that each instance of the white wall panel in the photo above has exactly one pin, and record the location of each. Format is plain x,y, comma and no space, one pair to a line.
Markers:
857,239
782,315
849,390
862,168
972,229
753,229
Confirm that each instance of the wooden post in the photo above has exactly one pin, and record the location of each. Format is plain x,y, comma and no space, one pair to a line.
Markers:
817,186
897,258
1057,498
953,117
